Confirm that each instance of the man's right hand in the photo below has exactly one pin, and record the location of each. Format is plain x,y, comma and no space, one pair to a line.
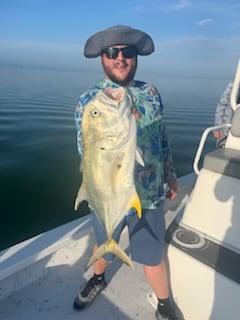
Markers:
218,134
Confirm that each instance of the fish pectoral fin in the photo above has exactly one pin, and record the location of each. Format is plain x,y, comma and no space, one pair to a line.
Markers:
110,246
139,158
136,204
81,195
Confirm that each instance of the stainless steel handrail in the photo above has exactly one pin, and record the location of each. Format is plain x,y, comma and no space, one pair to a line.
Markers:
236,88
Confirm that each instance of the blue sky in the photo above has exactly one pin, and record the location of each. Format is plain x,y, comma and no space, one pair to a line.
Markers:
191,36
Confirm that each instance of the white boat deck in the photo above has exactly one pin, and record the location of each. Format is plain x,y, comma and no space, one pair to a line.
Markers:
41,277
51,296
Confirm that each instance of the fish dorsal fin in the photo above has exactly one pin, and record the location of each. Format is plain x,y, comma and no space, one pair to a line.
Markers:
139,158
82,195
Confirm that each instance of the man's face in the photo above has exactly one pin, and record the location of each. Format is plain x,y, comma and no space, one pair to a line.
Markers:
120,66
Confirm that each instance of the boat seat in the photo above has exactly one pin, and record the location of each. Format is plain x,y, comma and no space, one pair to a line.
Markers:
226,161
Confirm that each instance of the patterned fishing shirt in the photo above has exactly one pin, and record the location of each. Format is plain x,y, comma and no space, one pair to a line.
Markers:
151,139
224,111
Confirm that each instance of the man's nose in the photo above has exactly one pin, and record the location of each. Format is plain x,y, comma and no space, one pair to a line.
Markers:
120,55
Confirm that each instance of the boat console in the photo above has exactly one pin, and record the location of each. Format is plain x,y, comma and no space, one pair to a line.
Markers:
204,245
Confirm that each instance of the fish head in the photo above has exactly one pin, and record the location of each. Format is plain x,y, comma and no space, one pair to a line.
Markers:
108,116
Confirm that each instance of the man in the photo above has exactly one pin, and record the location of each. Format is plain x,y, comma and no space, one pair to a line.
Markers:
223,115
119,47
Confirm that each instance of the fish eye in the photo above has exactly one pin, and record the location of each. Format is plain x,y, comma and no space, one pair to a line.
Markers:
95,113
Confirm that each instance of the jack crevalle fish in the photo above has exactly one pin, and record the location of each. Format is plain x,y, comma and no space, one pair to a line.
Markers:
107,165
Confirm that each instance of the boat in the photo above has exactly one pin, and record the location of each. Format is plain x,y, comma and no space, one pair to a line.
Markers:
40,277
204,242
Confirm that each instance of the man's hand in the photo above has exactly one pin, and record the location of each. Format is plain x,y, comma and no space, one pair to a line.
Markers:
173,189
136,114
218,134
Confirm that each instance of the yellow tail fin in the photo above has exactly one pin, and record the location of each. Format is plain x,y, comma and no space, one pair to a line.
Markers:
110,246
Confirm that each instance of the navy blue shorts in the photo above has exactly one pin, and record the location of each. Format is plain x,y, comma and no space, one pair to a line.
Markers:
146,235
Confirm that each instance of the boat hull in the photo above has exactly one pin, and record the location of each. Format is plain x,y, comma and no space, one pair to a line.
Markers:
201,291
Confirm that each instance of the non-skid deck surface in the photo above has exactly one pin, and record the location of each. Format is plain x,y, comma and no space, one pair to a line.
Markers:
51,297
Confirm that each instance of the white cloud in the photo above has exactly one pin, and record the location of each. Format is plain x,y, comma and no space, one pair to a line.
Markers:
205,22
139,9
158,6
182,4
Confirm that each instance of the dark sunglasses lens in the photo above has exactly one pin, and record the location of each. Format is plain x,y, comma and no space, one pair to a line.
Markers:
127,52
111,53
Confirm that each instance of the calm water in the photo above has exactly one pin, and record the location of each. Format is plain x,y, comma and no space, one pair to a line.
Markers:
39,174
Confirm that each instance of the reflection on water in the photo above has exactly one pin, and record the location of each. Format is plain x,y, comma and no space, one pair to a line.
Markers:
39,164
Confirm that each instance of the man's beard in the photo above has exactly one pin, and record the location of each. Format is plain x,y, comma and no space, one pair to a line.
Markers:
115,79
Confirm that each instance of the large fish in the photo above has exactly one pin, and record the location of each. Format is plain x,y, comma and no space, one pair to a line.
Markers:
110,152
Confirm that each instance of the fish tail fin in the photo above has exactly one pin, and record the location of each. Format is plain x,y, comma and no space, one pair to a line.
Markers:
136,204
110,246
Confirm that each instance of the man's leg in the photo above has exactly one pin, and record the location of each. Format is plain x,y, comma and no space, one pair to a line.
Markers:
157,277
158,280
148,248
97,283
101,264
93,286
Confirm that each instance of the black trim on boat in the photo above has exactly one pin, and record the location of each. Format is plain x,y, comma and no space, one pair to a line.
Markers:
220,258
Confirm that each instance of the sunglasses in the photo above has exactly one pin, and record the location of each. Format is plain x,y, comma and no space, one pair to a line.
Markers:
127,52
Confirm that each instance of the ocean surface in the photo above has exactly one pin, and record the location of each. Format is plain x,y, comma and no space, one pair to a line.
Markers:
39,163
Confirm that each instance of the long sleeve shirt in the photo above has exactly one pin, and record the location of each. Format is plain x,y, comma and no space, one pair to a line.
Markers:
151,139
224,111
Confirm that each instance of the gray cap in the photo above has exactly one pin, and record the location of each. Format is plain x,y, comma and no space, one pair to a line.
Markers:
118,35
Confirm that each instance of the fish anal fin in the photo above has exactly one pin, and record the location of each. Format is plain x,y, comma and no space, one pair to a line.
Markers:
136,204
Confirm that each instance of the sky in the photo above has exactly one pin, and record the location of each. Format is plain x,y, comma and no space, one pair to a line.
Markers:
191,37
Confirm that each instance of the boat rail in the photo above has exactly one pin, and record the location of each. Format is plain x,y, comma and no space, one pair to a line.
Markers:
234,103
202,144
235,89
